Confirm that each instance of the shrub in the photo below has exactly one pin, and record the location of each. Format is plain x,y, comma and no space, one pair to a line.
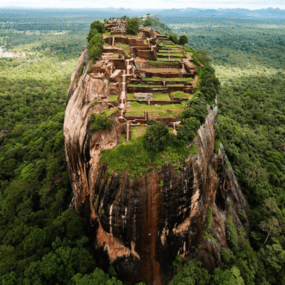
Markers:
91,34
95,52
100,122
173,38
155,137
133,25
187,132
97,40
95,47
100,27
147,23
183,40
201,57
209,83
151,122
197,109
190,272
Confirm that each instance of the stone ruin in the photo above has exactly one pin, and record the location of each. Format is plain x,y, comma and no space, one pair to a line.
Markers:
145,96
140,224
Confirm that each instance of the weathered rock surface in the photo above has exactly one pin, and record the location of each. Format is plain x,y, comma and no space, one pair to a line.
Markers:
141,225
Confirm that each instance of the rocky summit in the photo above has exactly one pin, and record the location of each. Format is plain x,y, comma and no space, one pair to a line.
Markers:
146,205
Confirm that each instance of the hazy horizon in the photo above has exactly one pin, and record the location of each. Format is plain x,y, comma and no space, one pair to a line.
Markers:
150,4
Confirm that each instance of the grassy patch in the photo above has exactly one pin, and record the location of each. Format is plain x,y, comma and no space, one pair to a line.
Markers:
135,113
172,61
181,95
113,98
174,85
161,97
137,109
176,55
109,112
126,48
175,52
143,85
134,158
187,79
138,106
161,63
166,44
138,131
162,53
158,96
131,96
162,70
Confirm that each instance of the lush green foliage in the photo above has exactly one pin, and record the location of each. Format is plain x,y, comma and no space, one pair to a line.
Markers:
95,45
187,132
251,129
156,137
191,272
135,158
133,25
173,38
156,24
147,23
197,109
100,122
42,242
97,25
183,40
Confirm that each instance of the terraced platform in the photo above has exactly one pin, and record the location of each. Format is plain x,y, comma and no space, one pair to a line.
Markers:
150,77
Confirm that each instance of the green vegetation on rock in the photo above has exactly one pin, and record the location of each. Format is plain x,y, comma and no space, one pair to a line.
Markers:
183,40
100,122
133,25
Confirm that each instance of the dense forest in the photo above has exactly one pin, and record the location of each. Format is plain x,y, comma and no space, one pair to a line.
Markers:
42,240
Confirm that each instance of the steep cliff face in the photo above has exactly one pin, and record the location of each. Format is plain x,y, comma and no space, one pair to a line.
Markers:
140,225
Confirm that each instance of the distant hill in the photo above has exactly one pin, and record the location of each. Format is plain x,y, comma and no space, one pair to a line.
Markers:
240,13
269,13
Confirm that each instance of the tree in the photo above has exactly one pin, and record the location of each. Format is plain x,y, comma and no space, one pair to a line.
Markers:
100,27
147,23
191,272
183,40
91,34
198,109
187,132
133,25
155,137
202,57
95,46
228,277
98,277
173,38
273,257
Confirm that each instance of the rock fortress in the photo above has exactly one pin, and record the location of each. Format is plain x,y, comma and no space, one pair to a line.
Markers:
142,213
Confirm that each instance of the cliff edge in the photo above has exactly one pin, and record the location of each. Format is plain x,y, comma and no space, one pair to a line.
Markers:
139,224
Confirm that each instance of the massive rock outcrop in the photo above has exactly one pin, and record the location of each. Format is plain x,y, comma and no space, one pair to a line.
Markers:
140,225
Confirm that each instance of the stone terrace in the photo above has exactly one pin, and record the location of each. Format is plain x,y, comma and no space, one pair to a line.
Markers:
149,76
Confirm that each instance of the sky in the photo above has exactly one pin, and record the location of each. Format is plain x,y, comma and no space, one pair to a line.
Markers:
150,4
